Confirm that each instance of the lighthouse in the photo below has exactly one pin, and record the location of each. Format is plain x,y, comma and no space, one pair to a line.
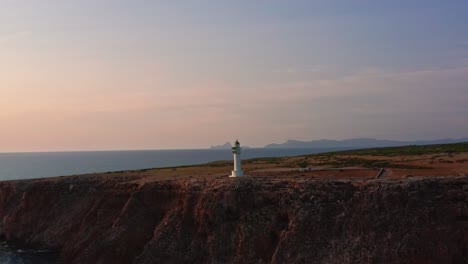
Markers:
236,150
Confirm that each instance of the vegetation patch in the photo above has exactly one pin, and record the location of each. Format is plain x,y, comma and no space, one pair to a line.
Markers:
269,160
406,150
218,164
368,163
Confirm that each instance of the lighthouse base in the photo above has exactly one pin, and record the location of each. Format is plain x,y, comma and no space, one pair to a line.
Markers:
237,174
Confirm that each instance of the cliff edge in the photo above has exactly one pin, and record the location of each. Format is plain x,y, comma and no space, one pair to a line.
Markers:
104,219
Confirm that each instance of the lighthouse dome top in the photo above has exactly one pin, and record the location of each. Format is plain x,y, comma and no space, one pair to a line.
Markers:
237,143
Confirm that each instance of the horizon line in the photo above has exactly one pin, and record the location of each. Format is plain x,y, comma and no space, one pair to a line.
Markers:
210,148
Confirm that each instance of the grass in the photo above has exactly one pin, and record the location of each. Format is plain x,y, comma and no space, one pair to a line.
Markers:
367,163
268,160
302,163
336,159
406,150
218,164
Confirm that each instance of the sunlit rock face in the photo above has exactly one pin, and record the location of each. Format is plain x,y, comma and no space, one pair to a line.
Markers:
94,219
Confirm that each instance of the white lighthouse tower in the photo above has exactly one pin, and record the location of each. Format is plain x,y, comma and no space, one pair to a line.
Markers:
236,150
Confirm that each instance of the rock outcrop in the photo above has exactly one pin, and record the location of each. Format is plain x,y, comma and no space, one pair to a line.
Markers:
93,219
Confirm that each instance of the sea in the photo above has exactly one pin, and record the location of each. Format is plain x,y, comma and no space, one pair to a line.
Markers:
16,166
12,255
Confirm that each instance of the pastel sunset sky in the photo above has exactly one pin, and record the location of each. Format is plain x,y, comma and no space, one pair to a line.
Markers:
117,74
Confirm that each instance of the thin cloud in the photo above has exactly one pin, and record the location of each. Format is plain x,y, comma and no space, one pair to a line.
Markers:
12,36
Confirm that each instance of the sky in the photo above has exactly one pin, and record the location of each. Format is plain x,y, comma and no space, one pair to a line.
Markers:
150,74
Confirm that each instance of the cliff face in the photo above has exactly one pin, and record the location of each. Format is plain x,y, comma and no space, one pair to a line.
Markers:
250,220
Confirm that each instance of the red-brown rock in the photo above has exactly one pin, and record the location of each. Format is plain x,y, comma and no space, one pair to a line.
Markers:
252,220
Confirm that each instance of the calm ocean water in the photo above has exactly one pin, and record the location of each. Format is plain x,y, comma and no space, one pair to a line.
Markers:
38,165
10,255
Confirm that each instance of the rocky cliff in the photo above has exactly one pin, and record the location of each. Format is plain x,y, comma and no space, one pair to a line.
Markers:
93,219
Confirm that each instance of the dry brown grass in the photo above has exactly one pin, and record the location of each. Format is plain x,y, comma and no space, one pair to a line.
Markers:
322,167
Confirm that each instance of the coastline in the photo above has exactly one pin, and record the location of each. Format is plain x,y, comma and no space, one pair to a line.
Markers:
112,219
323,208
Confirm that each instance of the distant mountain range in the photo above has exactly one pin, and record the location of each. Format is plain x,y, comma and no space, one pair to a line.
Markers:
359,143
226,145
